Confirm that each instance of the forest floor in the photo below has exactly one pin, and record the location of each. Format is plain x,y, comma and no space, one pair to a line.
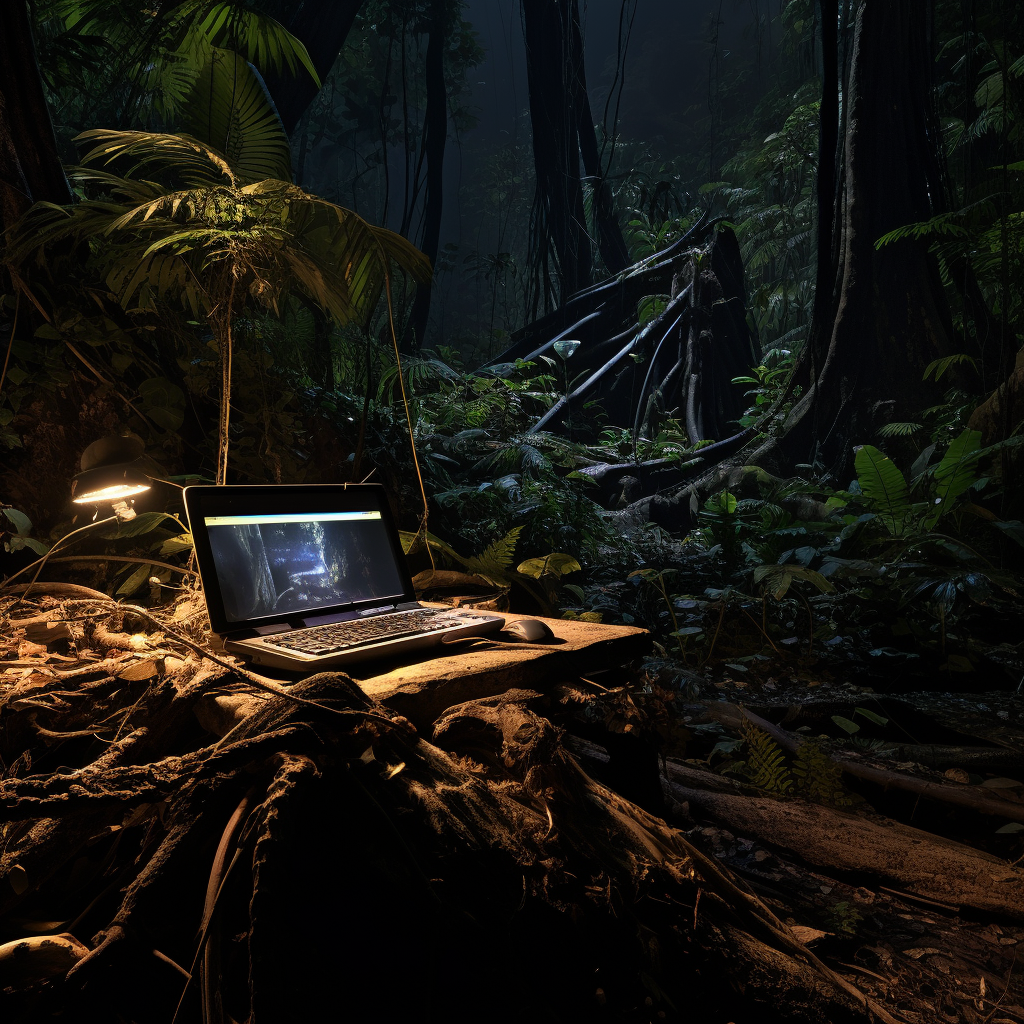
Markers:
712,854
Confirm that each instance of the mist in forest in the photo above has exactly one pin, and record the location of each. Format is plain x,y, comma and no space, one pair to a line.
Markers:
655,71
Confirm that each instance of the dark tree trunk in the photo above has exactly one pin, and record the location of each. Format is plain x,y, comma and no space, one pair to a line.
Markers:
880,315
559,218
30,169
323,26
611,244
435,136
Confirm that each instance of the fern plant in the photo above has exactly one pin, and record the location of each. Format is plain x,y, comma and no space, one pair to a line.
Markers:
818,777
766,761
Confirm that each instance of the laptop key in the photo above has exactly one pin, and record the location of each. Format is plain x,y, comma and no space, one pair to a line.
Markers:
331,639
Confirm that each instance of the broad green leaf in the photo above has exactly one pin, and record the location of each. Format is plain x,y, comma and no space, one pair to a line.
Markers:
845,724
555,564
1013,528
17,543
175,545
939,366
21,522
884,486
414,541
871,716
230,110
777,578
258,37
137,578
142,523
955,473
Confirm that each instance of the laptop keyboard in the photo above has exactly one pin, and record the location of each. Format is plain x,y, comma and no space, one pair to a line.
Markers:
340,636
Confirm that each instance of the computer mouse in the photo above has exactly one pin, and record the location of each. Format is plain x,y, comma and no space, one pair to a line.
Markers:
529,631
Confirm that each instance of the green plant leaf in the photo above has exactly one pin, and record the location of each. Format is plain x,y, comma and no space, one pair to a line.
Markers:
939,366
884,486
175,545
871,716
956,473
142,523
137,578
555,564
495,559
229,109
21,522
1013,528
777,579
845,724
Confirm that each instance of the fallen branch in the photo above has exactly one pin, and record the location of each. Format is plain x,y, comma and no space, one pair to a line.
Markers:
923,864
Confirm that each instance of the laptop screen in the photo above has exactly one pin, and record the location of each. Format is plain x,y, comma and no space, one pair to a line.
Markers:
294,552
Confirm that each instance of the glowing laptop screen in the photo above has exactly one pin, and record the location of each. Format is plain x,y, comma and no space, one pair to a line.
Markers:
301,563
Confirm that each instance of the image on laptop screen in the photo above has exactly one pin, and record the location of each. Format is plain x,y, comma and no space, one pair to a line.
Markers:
299,564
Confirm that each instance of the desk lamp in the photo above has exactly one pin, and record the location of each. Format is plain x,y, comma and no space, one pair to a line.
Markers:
111,472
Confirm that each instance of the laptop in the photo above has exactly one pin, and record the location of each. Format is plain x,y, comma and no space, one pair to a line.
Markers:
312,576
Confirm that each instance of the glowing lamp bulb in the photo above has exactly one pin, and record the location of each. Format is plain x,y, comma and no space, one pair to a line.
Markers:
116,492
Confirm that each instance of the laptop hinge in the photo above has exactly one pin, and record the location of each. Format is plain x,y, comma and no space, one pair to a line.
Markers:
383,609
270,629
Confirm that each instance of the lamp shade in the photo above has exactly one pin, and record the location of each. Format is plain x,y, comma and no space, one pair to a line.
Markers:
108,484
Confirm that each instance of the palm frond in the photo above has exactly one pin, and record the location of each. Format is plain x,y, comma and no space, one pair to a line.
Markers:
260,39
180,152
229,109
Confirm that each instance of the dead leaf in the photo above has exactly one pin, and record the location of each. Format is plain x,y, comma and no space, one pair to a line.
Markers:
140,670
806,934
18,877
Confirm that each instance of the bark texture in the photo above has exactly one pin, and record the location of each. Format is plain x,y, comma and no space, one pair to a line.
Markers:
563,133
880,315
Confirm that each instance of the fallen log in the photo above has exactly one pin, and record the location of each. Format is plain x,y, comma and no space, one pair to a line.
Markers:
955,794
923,864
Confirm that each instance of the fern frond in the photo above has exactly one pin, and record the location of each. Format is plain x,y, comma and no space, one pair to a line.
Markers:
766,763
819,778
899,429
497,557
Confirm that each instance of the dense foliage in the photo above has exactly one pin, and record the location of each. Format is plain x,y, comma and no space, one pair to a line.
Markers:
191,270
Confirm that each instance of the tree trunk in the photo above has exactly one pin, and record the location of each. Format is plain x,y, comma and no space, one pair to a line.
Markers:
880,315
559,219
30,169
611,244
435,137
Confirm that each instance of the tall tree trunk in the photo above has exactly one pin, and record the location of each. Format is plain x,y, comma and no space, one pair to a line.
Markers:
880,314
610,242
30,169
559,218
435,137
